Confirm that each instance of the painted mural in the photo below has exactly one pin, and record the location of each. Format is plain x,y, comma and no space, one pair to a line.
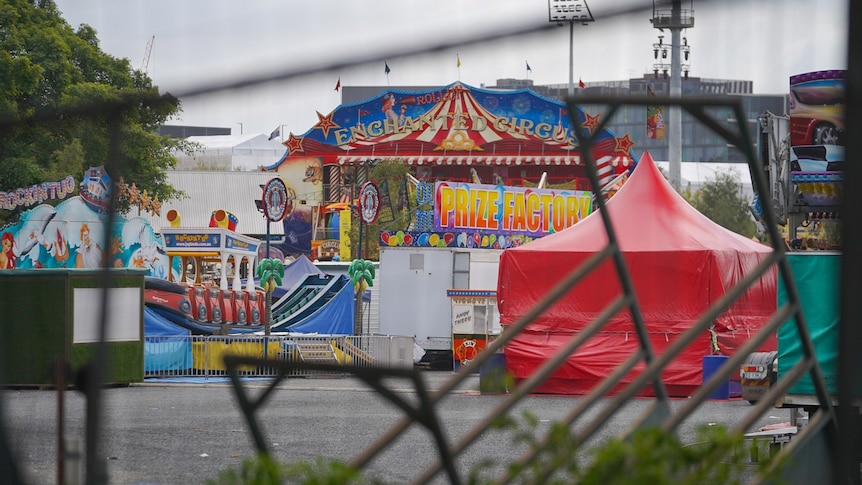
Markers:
72,235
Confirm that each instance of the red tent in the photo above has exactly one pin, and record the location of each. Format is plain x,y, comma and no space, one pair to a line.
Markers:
680,263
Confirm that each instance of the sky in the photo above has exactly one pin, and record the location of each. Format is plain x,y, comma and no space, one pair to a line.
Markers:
205,43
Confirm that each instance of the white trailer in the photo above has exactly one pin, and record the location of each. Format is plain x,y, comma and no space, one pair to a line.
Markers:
413,284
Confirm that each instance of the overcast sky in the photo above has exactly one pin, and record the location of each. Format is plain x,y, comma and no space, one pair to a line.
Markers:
202,43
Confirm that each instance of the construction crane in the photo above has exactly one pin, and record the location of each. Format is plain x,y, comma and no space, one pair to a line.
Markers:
146,62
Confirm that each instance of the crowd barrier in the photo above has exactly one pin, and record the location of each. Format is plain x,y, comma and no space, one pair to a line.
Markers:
203,356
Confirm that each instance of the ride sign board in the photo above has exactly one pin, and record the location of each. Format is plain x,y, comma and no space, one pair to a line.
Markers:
275,200
369,203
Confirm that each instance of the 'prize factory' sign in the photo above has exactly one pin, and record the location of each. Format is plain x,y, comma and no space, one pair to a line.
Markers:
508,210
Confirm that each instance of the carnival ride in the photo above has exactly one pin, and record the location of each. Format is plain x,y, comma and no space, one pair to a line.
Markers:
199,299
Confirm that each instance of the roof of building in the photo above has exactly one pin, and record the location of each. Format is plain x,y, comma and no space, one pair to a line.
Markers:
249,141
207,191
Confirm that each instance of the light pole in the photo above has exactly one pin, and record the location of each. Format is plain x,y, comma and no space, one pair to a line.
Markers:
571,11
668,14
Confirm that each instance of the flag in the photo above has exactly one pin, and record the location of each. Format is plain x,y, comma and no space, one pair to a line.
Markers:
386,68
581,83
338,84
458,57
528,67
275,133
655,127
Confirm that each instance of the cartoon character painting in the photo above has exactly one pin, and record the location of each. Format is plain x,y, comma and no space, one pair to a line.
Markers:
90,254
7,255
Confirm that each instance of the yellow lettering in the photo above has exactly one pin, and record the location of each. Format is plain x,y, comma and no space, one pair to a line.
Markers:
481,216
508,209
586,205
519,222
533,211
493,197
545,204
572,216
447,205
462,207
559,213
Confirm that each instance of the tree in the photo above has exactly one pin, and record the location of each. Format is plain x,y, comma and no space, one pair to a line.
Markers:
720,201
62,100
270,271
393,172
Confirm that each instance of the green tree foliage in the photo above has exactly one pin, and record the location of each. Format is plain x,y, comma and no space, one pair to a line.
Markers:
393,172
719,200
62,99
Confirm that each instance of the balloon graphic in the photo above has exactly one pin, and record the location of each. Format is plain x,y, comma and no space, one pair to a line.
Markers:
384,238
433,239
462,240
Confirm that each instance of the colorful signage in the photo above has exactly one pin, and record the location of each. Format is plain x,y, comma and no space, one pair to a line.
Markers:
507,210
475,322
37,194
192,240
369,203
234,243
275,200
455,124
72,235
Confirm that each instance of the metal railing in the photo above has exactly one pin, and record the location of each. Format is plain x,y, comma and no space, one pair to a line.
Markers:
203,356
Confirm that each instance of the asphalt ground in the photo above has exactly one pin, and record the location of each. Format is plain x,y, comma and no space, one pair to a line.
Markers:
179,432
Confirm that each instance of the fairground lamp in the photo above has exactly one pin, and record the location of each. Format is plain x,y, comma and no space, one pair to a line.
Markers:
571,11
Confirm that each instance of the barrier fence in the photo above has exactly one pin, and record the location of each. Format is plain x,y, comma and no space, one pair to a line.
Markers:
203,356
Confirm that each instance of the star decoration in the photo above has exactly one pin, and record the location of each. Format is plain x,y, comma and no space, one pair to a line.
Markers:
146,201
325,123
294,144
156,206
134,195
624,143
591,122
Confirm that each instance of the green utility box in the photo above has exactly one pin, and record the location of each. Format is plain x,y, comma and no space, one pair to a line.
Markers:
57,313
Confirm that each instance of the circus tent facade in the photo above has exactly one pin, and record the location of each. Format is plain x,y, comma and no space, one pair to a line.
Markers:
456,133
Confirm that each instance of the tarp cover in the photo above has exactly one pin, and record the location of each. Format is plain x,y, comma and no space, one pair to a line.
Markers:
164,349
680,263
335,317
818,278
